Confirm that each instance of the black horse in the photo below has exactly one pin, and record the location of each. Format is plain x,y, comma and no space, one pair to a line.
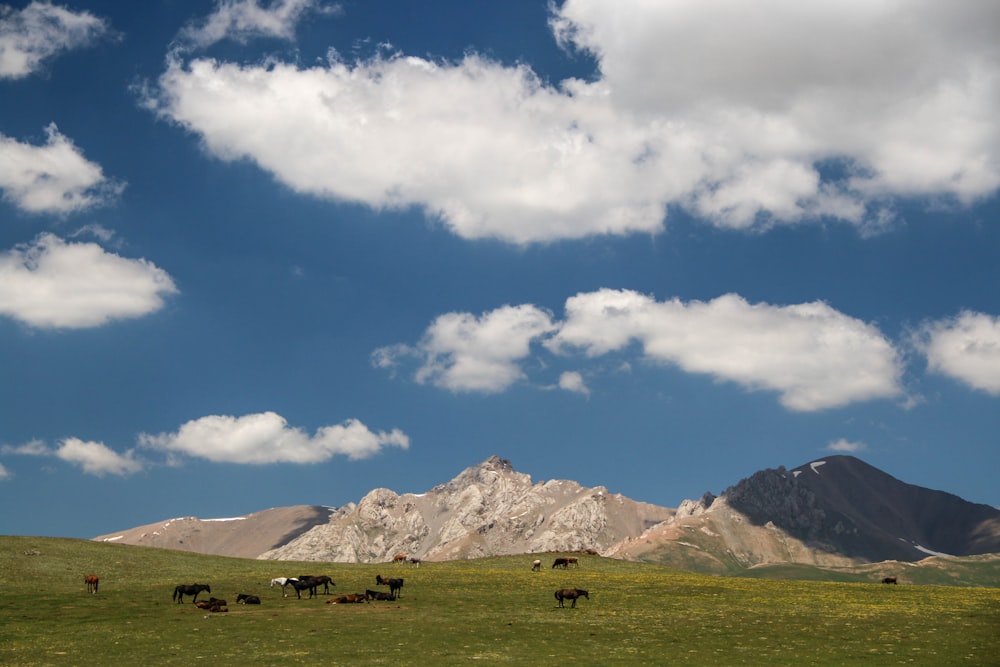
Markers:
190,589
395,585
304,585
571,594
319,580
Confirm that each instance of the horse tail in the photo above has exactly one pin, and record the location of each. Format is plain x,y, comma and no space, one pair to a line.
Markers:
176,590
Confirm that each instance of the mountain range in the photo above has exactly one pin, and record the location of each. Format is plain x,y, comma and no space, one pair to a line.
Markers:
833,512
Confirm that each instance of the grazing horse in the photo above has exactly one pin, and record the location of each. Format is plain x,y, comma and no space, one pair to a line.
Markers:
92,581
395,585
283,582
319,580
536,565
399,558
571,594
415,561
303,585
243,598
889,580
190,589
560,562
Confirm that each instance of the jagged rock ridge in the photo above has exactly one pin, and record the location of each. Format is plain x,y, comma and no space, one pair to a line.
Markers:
487,510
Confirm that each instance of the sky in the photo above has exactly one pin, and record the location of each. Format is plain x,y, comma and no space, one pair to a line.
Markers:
260,253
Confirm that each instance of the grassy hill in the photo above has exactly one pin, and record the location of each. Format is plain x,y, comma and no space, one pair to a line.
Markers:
492,610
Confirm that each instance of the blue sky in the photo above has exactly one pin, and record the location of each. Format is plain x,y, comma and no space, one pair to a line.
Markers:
256,254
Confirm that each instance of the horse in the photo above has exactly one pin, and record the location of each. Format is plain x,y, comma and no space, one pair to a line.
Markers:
399,558
243,598
395,585
889,580
214,605
318,580
415,561
190,589
303,585
536,565
379,595
350,597
283,582
571,594
92,581
560,562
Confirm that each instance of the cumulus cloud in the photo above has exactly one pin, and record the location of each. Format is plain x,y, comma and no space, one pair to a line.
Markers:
846,446
52,283
52,178
242,20
30,35
462,352
747,114
813,356
96,458
966,348
267,438
573,381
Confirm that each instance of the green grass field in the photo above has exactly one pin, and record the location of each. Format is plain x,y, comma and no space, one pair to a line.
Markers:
494,611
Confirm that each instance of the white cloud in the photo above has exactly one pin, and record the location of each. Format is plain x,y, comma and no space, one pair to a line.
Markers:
812,355
4,473
30,448
95,458
267,438
52,283
242,20
573,381
966,348
54,178
727,108
462,352
28,36
847,446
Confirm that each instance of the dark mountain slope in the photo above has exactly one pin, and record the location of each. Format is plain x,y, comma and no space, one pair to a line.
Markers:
841,504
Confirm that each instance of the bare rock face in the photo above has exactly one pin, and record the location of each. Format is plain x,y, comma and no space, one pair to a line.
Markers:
487,510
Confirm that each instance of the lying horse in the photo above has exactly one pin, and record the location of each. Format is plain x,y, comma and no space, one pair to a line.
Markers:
190,589
379,595
243,598
571,594
283,582
350,597
92,581
395,585
320,580
214,605
889,580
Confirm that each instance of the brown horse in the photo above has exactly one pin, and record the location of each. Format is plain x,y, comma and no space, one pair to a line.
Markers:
571,594
92,582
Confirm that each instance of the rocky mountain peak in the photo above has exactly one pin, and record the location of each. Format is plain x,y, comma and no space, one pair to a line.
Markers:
488,509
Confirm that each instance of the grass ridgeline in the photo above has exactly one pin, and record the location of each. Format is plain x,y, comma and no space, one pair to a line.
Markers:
494,610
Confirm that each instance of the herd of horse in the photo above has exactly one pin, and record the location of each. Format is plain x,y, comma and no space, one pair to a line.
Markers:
311,583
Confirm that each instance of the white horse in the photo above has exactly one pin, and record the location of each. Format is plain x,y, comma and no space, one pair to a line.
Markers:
282,581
